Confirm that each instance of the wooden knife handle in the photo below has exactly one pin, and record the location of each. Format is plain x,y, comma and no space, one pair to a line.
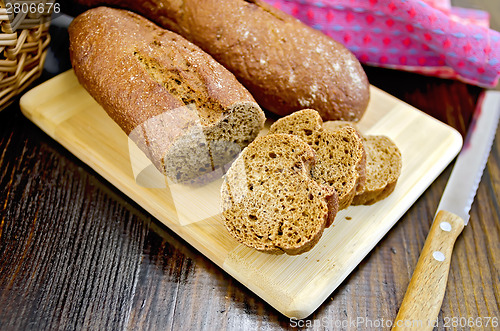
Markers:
424,296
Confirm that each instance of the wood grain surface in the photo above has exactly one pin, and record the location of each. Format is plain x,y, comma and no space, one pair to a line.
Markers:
75,253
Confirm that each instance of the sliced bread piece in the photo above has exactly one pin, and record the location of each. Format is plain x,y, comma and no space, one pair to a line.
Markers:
340,155
337,125
269,200
383,165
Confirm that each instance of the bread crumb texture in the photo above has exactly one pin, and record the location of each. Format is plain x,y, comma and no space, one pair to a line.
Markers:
383,165
383,169
270,202
341,159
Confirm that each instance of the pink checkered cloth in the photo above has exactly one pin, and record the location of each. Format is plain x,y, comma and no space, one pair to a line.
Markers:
425,36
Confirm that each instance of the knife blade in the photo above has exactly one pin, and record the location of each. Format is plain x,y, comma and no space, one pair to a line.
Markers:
424,296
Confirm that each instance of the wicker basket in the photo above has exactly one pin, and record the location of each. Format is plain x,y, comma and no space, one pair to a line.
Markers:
24,41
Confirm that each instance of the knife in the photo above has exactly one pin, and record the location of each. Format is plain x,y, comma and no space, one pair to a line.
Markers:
424,296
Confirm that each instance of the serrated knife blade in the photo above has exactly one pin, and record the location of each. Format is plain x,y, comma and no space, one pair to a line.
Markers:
424,296
462,185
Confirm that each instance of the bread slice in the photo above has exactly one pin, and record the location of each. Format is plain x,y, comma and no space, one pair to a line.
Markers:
269,200
383,165
337,125
383,168
340,154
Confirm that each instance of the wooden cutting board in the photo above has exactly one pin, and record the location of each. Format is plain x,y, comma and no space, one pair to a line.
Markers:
294,285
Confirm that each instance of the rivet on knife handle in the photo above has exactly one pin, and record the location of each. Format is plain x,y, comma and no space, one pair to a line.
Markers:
424,296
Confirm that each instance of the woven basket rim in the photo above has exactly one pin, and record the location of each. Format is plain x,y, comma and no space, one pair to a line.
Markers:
24,44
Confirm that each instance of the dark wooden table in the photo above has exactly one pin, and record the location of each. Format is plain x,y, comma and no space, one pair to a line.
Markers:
76,253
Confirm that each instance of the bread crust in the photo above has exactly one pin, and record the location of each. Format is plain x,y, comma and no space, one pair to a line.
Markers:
174,100
286,65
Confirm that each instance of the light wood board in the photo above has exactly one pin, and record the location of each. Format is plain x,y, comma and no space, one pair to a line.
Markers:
294,285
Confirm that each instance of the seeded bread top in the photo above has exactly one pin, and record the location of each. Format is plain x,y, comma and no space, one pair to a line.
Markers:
147,60
285,64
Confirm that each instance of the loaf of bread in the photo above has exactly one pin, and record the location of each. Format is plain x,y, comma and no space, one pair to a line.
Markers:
340,155
185,111
270,202
286,65
383,165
